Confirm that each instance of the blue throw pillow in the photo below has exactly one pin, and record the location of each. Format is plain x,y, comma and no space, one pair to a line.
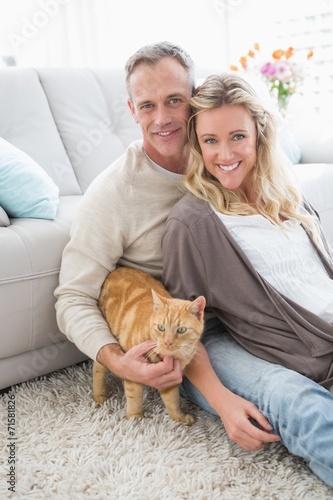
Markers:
26,190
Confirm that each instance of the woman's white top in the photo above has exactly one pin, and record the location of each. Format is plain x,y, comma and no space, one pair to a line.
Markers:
286,258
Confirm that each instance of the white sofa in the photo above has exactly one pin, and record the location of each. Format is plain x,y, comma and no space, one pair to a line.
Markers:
74,122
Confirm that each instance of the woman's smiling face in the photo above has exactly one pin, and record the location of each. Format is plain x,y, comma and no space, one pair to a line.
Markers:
227,138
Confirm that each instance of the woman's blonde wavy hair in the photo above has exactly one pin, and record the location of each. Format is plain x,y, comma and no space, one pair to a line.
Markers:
275,193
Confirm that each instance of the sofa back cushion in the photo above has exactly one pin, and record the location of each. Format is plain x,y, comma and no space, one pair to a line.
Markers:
73,121
316,181
93,119
26,121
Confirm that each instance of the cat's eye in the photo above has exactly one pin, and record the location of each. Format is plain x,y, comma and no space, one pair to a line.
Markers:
181,329
161,328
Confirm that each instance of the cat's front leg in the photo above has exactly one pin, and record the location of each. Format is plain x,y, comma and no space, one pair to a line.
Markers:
171,399
100,389
134,399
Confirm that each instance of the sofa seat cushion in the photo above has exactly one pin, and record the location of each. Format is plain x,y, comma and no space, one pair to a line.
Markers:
32,250
26,190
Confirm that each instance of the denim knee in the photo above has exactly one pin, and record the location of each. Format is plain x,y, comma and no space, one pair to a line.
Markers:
293,403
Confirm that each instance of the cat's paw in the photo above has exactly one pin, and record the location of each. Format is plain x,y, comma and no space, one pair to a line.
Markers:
100,398
136,416
185,419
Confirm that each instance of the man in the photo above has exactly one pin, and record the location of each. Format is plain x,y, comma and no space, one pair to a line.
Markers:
121,219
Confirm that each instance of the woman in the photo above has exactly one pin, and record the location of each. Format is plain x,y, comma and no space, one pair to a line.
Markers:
246,239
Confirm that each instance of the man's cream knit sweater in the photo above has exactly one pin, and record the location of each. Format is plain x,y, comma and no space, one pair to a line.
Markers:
119,222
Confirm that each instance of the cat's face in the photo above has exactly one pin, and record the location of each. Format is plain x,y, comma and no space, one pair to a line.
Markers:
177,326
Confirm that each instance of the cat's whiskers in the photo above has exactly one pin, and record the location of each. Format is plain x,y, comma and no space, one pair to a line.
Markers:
153,352
185,352
199,355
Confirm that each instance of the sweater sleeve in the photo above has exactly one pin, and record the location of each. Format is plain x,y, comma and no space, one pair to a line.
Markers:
184,270
92,252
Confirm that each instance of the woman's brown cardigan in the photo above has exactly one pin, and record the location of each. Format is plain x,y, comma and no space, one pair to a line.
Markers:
200,257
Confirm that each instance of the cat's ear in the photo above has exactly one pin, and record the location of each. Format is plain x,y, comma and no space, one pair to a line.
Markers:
157,301
197,307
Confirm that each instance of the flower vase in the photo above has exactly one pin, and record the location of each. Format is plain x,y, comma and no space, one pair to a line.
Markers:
282,103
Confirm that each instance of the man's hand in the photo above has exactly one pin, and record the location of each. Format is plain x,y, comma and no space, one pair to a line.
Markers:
134,365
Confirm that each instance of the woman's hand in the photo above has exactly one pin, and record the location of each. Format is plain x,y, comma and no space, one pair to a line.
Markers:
235,412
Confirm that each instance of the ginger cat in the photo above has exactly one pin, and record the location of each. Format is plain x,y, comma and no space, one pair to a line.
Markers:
137,307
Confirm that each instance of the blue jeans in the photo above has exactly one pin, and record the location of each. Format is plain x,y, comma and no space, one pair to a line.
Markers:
300,410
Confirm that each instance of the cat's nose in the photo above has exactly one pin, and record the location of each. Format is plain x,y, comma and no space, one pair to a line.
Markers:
168,342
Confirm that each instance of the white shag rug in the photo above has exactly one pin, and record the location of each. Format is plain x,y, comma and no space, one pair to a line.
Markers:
68,447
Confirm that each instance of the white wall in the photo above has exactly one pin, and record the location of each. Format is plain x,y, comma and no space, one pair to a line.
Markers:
106,32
